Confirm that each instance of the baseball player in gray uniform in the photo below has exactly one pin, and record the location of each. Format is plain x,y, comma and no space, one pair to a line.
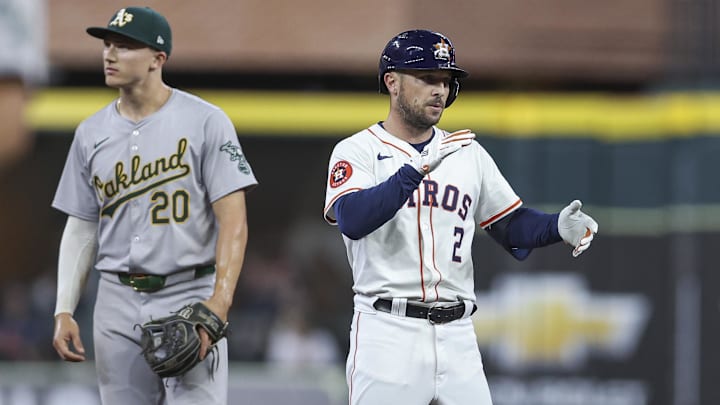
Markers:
154,189
407,197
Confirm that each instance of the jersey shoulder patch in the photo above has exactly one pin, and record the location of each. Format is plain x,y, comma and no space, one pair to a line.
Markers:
340,173
236,156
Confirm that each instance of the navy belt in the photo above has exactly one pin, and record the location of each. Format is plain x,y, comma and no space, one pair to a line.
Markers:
436,315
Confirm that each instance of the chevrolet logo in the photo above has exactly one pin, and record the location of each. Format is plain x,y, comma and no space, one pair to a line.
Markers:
552,320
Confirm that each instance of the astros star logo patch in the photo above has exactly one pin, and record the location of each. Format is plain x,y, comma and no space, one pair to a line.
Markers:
442,50
340,173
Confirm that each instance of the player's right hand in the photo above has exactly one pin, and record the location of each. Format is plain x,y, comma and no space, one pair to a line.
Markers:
67,332
435,152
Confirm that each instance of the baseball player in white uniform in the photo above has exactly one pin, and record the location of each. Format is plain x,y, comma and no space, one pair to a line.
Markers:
407,197
154,189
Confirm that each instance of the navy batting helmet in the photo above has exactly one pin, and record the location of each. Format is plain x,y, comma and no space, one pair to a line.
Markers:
420,50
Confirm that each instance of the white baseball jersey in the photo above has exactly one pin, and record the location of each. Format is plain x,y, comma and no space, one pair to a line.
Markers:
151,184
424,252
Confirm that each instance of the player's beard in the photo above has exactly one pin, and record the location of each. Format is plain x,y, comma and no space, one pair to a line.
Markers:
415,115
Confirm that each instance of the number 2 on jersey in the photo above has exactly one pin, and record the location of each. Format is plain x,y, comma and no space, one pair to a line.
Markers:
460,232
166,207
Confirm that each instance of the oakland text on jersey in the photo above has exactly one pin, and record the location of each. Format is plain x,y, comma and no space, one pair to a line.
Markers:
140,174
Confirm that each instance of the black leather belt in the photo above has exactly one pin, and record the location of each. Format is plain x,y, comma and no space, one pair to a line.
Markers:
151,282
435,315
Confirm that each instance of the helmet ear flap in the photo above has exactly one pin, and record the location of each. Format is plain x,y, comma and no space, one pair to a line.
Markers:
454,90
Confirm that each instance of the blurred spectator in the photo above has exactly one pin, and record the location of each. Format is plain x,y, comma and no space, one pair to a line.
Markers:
20,331
259,291
26,318
320,267
23,64
291,307
295,342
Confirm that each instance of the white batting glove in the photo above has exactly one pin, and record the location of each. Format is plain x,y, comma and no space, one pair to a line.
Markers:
435,152
576,228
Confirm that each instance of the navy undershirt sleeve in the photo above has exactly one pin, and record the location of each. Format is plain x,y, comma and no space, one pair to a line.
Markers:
360,213
525,229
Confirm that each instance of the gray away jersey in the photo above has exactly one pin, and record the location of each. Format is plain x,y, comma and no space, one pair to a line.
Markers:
151,184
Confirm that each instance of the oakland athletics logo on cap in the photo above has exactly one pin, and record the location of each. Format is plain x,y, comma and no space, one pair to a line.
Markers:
142,24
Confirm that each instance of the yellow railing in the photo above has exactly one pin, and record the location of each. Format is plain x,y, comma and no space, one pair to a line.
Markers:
603,116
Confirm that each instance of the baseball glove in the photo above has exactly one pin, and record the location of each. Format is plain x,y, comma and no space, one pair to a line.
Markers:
171,345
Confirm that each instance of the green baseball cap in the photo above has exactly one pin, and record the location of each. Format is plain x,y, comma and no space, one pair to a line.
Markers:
142,24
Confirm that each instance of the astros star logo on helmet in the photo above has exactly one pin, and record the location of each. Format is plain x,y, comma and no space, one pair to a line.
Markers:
442,50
